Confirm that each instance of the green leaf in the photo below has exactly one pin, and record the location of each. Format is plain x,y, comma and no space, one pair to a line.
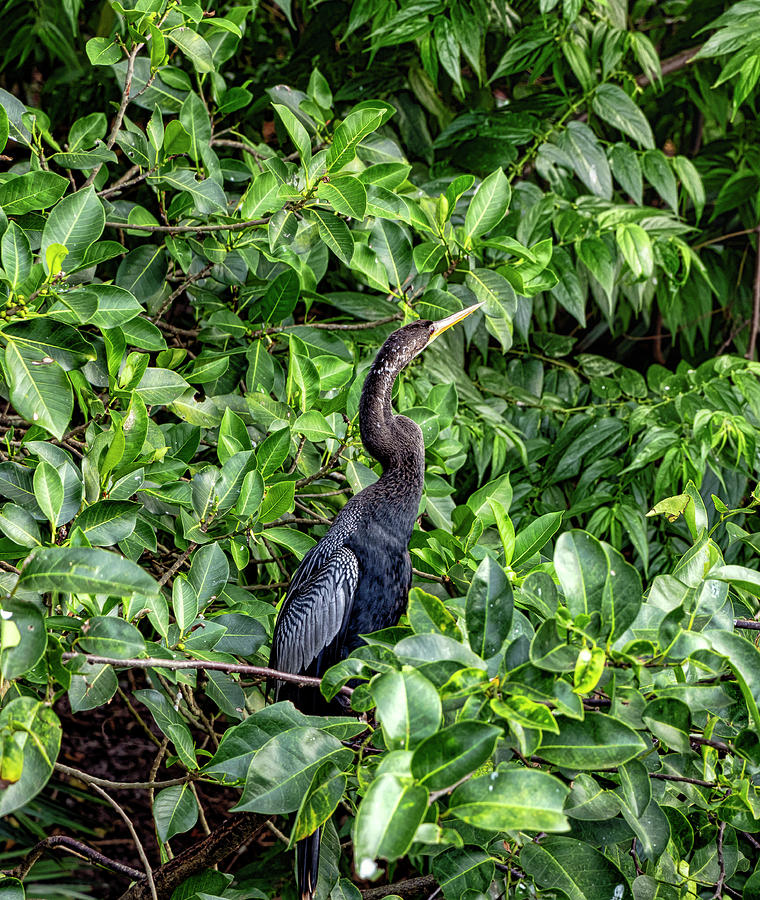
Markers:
598,742
346,194
33,190
573,867
26,618
744,658
636,247
691,181
75,222
48,491
320,801
488,613
4,128
54,339
35,731
659,174
16,254
194,47
408,707
534,538
107,522
298,134
612,104
281,297
85,570
175,811
588,159
281,770
627,170
110,636
161,386
209,572
194,118
388,816
92,686
171,724
39,388
102,51
512,800
427,613
20,526
272,452
459,871
279,498
449,755
351,131
334,232
581,567
488,207
206,194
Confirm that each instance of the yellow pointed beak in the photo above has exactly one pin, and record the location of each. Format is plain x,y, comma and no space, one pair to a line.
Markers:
443,324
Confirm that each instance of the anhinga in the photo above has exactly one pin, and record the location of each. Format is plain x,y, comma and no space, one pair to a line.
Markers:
357,578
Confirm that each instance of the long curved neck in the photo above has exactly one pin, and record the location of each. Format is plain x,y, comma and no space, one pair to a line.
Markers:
394,441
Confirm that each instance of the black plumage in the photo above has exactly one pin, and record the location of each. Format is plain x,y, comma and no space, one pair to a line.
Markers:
356,579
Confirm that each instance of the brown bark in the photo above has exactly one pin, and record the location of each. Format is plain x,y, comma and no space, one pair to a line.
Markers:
220,843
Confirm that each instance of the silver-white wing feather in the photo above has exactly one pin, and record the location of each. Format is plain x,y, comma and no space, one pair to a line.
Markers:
315,612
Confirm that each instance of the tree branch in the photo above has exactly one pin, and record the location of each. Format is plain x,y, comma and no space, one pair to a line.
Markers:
188,229
409,887
748,624
665,777
117,785
122,109
211,850
70,845
191,279
260,672
672,64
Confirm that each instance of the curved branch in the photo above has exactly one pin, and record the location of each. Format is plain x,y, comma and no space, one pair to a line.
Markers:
77,848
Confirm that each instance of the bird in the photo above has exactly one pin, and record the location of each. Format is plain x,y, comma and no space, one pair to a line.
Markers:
356,579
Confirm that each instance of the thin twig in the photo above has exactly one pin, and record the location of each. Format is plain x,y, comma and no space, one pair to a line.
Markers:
752,839
748,624
188,229
721,864
191,279
732,337
723,237
177,565
665,777
436,795
119,118
327,326
330,464
138,843
177,664
117,785
69,844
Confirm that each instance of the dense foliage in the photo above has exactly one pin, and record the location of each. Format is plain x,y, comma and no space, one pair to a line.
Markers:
211,216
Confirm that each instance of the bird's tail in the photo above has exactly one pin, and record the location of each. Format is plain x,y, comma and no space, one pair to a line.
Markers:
307,852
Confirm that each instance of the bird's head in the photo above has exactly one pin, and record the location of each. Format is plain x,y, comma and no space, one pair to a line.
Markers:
411,340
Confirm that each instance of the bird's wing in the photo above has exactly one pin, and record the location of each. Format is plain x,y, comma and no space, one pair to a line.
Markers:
315,613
